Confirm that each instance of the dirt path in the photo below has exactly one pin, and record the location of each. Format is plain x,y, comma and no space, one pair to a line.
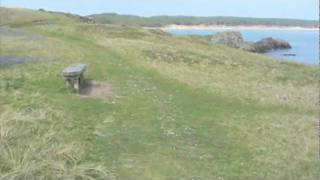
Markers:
98,90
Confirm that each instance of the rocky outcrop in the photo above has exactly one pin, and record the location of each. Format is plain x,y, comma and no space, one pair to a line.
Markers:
234,39
269,44
231,39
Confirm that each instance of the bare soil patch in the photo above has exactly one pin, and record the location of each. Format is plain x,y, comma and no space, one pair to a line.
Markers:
97,89
14,59
10,32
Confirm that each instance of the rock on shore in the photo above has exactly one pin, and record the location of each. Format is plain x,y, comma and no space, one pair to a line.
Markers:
232,39
235,39
269,44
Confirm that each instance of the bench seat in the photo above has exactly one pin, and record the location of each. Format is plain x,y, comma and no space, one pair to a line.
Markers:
74,75
74,70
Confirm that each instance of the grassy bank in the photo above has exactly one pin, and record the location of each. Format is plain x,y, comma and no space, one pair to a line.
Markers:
181,108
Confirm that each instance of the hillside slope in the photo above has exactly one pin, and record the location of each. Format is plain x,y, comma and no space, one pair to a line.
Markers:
22,17
179,107
159,21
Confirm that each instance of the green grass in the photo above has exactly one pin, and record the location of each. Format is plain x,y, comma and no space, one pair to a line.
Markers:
158,21
181,109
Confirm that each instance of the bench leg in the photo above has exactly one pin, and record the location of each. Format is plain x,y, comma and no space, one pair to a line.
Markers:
68,83
76,84
81,80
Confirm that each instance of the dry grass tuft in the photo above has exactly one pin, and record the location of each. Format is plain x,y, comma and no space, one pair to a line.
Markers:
32,147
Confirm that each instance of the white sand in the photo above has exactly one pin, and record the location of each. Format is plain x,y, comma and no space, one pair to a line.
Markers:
236,28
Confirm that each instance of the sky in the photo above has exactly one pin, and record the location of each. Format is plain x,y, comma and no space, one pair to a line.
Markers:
298,9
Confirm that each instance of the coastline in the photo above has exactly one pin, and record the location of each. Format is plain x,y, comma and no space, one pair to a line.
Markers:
236,28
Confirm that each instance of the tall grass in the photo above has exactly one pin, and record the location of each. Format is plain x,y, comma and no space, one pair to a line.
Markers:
33,145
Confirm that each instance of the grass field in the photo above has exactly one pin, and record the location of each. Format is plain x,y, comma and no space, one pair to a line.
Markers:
181,108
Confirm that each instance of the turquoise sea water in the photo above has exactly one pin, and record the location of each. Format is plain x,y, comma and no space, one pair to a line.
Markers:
305,44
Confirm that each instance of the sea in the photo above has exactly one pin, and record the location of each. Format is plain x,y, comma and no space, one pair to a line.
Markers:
305,43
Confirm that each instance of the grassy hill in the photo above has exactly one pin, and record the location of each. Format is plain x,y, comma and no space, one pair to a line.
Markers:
159,21
180,107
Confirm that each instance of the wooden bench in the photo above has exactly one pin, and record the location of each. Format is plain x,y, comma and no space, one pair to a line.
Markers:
74,75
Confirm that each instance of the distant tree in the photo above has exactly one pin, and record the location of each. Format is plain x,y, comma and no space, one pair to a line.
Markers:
42,10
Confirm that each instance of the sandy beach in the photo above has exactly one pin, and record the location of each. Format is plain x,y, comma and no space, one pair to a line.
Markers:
237,28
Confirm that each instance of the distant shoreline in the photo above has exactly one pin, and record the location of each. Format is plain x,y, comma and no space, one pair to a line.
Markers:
236,28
